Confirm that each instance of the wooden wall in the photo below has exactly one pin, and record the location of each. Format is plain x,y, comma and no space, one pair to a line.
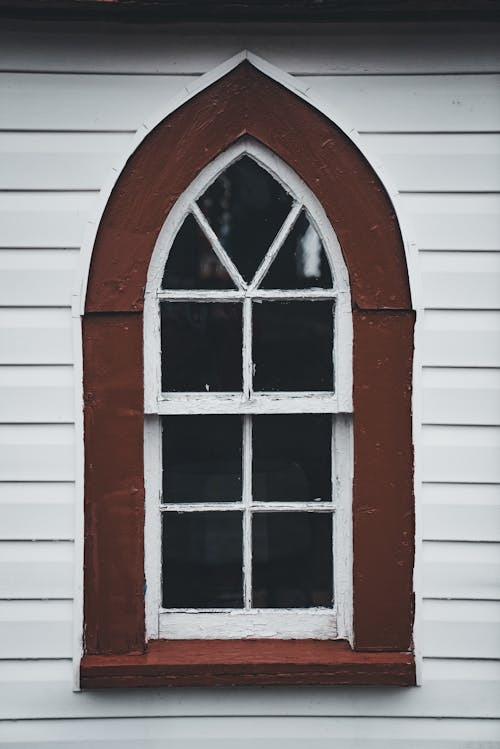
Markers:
426,102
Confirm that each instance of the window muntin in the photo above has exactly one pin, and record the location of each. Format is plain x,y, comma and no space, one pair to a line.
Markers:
280,333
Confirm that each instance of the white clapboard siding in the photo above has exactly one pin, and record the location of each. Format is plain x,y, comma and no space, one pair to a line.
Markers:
455,280
222,733
36,511
35,336
36,629
37,452
461,512
302,48
461,396
37,278
461,454
36,569
58,161
447,162
455,688
83,102
31,394
44,219
461,570
412,103
461,629
454,222
461,338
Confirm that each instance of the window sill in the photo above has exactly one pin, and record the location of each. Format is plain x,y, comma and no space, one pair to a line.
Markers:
200,663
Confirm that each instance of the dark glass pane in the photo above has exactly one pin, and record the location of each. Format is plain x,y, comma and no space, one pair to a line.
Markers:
292,560
293,345
246,207
201,346
301,262
192,263
201,458
202,560
292,458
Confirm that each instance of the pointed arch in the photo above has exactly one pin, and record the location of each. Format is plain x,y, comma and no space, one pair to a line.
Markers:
246,102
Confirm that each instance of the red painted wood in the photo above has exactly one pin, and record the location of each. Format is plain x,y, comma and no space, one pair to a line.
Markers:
246,102
383,518
247,662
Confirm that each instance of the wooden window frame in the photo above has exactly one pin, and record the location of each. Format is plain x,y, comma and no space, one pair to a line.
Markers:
245,102
324,623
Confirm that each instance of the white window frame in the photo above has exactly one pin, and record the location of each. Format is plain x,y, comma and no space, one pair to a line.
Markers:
318,623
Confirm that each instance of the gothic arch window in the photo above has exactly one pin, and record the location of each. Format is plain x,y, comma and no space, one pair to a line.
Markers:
325,276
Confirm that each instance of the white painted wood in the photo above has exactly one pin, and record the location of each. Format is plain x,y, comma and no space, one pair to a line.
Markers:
461,570
44,219
36,394
298,48
36,569
35,629
461,396
57,161
461,629
462,688
432,162
54,102
454,222
36,521
461,338
461,454
461,512
36,452
276,245
238,624
35,336
452,103
295,732
37,278
191,403
461,280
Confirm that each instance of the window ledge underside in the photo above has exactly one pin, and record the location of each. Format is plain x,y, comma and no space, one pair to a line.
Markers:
197,663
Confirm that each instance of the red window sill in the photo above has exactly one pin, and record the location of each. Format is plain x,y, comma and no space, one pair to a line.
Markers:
198,663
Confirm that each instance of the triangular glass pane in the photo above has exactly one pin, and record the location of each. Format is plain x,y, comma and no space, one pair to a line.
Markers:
192,262
245,207
301,262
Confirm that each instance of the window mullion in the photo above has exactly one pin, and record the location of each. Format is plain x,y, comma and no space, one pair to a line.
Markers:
247,513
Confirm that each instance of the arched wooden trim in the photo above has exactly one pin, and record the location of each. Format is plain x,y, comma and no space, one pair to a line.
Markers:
246,102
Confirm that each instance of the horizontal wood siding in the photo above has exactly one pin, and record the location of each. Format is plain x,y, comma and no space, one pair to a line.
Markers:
427,106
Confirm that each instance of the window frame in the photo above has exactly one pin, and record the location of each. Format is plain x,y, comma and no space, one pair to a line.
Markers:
245,99
276,623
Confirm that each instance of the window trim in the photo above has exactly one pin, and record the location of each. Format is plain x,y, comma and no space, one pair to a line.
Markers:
363,218
326,623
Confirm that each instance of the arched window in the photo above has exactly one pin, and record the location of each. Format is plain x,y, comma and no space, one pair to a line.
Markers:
248,364
250,343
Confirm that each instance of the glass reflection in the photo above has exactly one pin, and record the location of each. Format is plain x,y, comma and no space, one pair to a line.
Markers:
292,559
245,207
201,346
192,263
301,262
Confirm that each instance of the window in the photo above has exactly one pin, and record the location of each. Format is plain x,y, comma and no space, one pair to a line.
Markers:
122,617
249,410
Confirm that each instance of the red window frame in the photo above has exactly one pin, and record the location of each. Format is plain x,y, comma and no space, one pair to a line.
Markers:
247,102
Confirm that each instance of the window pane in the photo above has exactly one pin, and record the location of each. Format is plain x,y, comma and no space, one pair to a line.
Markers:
202,560
246,207
201,346
292,458
292,560
192,263
293,345
201,458
301,262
